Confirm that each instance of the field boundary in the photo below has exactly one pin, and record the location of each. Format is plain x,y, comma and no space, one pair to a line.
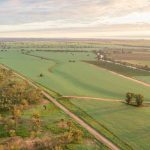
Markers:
94,98
123,76
85,125
113,72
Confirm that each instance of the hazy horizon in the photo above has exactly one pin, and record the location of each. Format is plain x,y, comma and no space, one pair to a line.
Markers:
105,19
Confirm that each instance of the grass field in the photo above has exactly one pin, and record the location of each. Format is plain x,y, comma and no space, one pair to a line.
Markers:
138,62
130,72
126,122
68,74
142,63
51,125
67,78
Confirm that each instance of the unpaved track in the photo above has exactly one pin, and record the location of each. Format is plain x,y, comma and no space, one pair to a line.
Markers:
137,81
115,73
123,76
94,98
98,99
91,130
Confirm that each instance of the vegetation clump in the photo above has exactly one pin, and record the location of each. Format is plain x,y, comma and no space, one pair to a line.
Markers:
30,132
15,96
16,92
41,75
134,99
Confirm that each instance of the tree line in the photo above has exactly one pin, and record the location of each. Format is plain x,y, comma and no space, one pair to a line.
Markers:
134,99
15,96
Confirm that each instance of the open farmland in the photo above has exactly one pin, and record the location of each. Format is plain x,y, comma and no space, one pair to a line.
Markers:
131,56
69,71
124,70
139,62
79,78
128,123
134,58
75,75
27,119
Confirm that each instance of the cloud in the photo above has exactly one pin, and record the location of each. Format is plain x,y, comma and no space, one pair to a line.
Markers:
34,15
27,11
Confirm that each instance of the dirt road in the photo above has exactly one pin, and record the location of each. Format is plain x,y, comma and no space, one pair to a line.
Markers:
137,81
91,130
94,98
123,76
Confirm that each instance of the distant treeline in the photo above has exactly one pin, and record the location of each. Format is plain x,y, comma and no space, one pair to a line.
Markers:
63,50
37,56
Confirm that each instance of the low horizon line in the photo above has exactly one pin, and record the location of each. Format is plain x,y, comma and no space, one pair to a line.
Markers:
80,38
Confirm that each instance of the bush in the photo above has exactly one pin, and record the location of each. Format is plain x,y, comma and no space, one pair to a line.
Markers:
138,99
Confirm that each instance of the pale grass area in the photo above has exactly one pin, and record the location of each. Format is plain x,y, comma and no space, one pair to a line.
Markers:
138,62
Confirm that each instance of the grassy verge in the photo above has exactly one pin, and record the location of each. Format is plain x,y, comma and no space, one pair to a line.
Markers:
89,120
51,120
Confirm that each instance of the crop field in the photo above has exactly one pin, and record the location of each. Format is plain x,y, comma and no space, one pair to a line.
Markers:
72,78
128,123
141,63
72,70
52,123
133,73
133,57
138,62
75,75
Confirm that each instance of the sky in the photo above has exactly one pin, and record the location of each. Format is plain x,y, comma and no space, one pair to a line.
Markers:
75,18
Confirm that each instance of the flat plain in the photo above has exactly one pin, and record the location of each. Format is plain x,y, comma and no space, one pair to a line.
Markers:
65,69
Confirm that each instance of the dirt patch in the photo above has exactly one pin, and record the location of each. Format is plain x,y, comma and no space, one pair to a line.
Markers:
45,102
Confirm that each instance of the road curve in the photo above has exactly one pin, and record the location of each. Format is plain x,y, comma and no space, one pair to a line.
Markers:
91,130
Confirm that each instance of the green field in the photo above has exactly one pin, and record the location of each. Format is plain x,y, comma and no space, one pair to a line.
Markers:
67,73
69,78
121,69
142,63
129,123
52,122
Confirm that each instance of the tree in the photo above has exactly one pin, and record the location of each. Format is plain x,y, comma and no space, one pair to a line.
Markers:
41,75
16,113
36,124
139,99
9,126
129,97
12,133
